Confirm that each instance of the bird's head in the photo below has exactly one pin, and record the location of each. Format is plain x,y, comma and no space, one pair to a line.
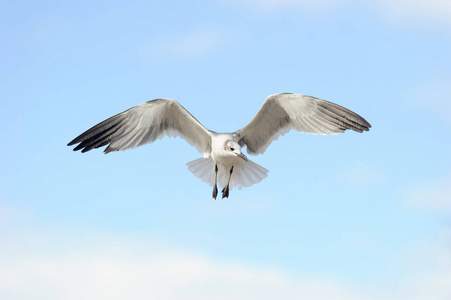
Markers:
233,148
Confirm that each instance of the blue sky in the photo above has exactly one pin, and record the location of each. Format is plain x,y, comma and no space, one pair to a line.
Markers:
351,216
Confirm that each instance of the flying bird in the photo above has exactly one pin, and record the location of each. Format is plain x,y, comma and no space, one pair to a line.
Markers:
223,162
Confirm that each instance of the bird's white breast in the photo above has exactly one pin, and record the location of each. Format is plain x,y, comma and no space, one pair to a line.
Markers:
218,153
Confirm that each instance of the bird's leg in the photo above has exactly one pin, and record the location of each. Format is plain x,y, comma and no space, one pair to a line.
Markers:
215,188
225,190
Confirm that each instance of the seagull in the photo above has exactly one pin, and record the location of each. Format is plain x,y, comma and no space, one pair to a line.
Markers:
223,162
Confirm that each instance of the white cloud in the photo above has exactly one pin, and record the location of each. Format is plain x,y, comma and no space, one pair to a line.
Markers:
190,45
419,13
46,267
433,196
36,264
429,263
123,269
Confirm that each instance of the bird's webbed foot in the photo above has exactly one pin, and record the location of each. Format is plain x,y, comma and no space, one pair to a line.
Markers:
215,191
225,192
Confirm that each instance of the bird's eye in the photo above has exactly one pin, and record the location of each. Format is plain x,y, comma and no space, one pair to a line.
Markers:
232,149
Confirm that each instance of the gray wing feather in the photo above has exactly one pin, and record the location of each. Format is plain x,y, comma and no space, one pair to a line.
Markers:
282,112
143,124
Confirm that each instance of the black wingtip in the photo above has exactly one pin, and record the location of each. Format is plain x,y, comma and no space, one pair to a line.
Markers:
78,147
73,143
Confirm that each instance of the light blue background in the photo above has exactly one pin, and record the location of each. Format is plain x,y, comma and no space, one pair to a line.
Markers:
368,212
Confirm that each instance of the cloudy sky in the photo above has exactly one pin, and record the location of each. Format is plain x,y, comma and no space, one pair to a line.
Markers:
351,216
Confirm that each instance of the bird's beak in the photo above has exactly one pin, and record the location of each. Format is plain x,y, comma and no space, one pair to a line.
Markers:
242,156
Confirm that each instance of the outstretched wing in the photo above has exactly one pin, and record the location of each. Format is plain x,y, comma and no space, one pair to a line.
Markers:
143,124
282,112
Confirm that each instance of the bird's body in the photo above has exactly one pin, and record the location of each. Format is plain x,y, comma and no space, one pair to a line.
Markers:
222,154
223,162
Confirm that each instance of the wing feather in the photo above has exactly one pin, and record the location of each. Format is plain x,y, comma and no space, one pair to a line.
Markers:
282,112
143,124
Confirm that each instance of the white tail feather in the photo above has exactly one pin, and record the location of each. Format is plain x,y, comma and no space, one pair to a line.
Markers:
204,169
245,173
